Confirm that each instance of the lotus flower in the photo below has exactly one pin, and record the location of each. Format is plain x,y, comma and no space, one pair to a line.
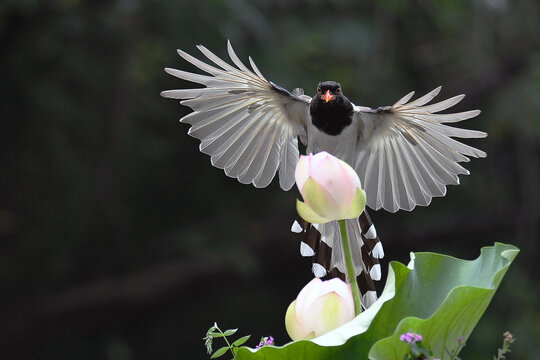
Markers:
321,306
330,188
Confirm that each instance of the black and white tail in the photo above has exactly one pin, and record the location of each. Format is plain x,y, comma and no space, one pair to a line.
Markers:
323,243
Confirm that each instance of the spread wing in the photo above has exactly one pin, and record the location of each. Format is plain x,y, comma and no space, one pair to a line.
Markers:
406,155
248,125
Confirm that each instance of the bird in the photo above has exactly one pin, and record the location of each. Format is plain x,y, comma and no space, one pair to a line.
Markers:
404,154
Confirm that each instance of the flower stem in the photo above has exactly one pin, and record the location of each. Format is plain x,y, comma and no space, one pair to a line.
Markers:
351,276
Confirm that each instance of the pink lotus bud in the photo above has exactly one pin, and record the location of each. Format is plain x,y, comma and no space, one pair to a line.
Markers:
321,306
330,188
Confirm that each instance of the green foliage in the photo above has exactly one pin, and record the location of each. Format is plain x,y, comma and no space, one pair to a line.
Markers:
441,298
241,341
229,332
215,332
219,352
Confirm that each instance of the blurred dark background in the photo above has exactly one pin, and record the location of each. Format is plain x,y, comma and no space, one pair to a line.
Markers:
119,240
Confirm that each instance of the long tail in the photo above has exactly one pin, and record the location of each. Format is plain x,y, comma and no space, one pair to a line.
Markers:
323,243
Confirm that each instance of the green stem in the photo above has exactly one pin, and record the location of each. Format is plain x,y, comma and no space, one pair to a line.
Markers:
351,276
227,341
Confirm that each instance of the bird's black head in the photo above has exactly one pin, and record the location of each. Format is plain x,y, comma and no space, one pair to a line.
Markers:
330,110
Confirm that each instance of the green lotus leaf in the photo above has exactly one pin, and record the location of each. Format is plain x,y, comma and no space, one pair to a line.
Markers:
438,296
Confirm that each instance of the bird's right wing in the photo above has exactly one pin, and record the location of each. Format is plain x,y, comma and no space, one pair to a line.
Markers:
248,125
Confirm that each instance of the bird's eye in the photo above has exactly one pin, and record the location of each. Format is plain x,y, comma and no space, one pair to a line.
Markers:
338,91
319,90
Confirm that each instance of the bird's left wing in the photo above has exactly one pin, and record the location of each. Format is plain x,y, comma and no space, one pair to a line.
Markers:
406,155
247,124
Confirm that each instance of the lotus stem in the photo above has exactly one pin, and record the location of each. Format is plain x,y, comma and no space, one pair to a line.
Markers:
351,276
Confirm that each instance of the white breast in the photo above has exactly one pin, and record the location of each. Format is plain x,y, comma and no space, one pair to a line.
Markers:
342,146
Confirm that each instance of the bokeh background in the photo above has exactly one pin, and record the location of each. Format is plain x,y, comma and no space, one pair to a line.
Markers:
119,240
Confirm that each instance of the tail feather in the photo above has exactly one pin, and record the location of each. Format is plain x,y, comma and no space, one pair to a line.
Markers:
323,243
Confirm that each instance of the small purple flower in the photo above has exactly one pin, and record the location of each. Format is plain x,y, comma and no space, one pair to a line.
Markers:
460,339
410,338
265,341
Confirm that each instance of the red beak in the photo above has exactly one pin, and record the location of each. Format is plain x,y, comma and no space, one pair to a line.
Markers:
327,97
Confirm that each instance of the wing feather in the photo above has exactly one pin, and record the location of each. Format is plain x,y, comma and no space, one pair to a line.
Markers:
248,150
383,180
237,61
247,125
229,139
211,56
408,193
272,159
218,123
404,99
257,157
394,180
407,155
256,69
432,180
372,169
203,66
448,118
424,99
247,139
443,105
418,185
289,157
